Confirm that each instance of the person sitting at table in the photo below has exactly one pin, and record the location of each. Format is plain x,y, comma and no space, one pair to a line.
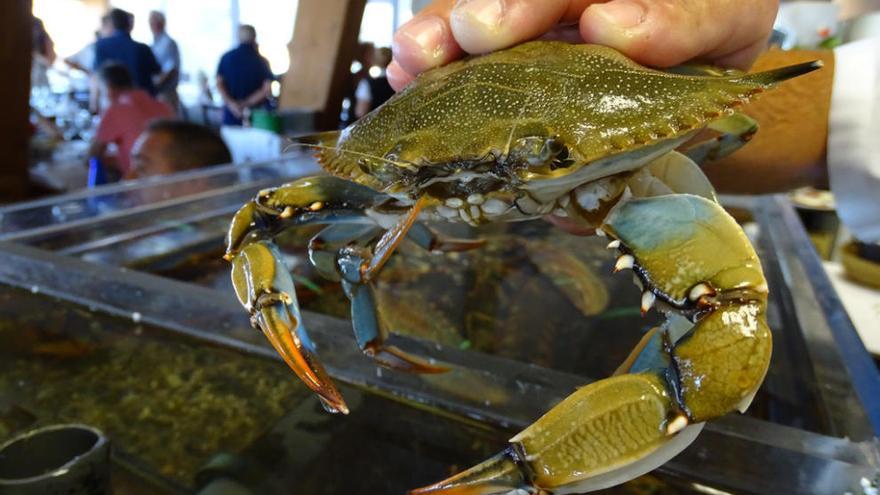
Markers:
170,146
129,113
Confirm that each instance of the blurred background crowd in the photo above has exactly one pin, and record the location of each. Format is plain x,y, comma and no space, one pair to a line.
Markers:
96,89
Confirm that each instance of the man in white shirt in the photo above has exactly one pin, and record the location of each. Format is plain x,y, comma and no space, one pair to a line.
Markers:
820,126
166,53
854,137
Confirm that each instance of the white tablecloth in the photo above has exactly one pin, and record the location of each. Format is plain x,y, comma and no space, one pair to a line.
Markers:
861,302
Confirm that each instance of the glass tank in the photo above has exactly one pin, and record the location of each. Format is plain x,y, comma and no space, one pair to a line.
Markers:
127,320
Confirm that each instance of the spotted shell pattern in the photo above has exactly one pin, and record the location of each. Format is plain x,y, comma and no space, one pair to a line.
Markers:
591,99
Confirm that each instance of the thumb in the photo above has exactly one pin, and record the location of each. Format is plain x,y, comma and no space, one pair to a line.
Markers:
482,26
668,32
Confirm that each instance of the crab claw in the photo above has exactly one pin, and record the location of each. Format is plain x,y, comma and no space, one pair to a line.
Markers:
603,434
265,289
699,262
498,474
701,365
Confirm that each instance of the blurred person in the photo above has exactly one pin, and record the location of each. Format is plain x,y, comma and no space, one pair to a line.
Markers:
361,64
374,89
42,54
84,59
206,96
166,53
42,125
119,47
170,146
243,78
129,113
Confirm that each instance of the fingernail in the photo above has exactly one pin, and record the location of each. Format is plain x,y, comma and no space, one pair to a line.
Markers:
397,77
486,12
623,14
427,33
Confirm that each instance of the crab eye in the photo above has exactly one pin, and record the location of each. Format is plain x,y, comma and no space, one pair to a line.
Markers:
540,154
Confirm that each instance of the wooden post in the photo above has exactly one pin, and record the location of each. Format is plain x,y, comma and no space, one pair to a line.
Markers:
15,58
323,46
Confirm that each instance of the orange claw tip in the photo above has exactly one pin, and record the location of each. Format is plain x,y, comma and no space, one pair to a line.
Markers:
335,405
496,475
278,324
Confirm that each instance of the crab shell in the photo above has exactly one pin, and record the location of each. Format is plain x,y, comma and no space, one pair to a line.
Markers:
540,111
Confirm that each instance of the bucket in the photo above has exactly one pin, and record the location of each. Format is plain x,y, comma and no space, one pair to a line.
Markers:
59,459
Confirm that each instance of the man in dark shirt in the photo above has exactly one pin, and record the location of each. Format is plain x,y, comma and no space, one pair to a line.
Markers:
243,77
119,47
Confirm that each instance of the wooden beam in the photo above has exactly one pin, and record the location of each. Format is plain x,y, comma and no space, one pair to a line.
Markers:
323,46
15,57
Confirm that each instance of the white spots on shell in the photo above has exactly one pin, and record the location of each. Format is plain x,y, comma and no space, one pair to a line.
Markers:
614,103
593,99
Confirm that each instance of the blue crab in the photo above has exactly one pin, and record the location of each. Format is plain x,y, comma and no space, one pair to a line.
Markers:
577,131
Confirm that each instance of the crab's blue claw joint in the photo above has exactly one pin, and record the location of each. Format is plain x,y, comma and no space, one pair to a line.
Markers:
498,474
265,289
370,334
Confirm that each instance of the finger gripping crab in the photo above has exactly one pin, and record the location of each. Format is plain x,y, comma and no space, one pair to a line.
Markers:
543,128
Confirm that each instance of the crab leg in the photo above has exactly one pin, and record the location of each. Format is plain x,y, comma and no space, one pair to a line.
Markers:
697,262
343,252
430,240
389,241
736,130
357,266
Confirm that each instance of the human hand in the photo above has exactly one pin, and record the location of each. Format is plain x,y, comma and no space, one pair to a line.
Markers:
659,33
236,109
